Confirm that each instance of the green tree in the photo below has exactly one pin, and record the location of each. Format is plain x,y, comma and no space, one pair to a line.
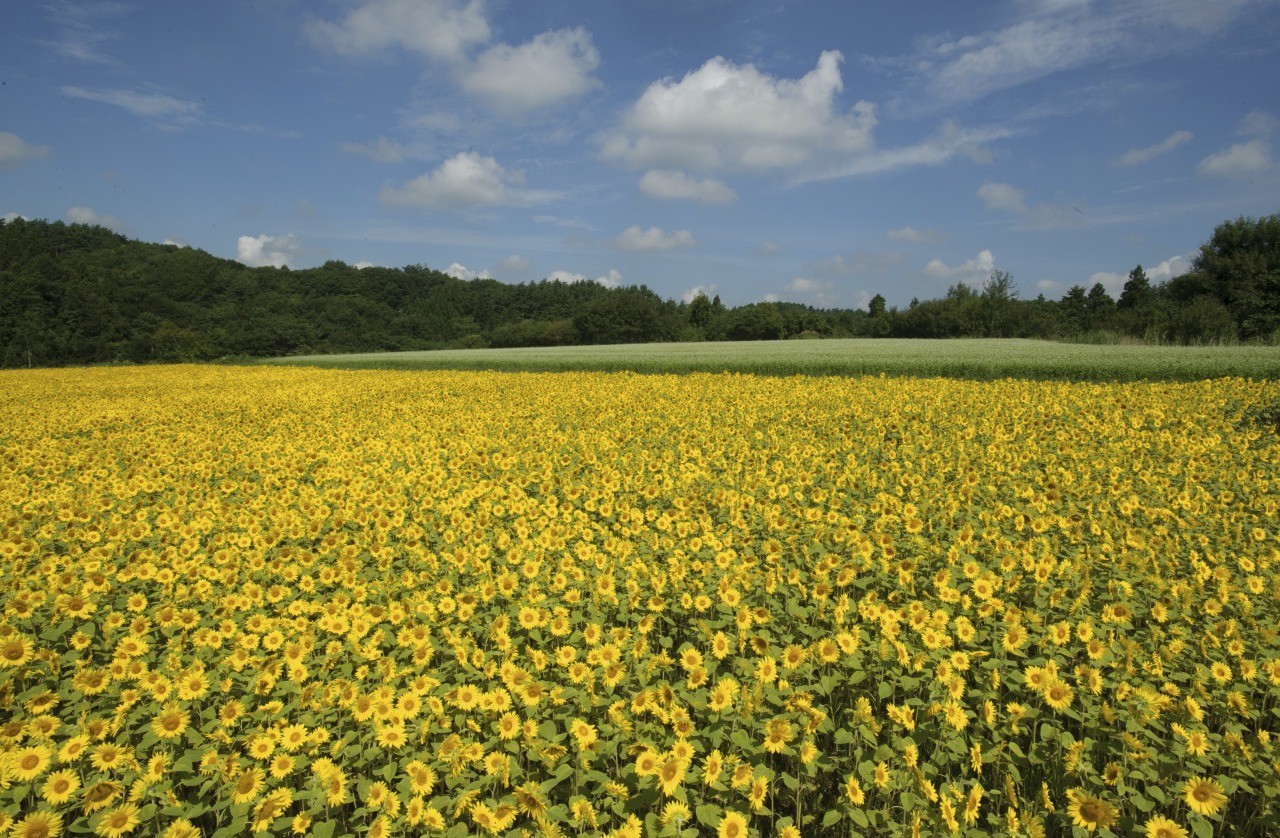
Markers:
1240,266
876,307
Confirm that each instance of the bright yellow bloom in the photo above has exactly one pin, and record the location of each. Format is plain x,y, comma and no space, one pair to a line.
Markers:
1203,795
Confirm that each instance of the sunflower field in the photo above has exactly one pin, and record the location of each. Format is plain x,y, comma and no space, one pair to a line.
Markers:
290,601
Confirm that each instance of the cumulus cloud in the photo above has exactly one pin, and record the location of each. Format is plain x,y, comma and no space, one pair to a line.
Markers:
1169,268
1258,123
465,181
157,107
972,272
1002,196
12,216
14,151
260,251
729,116
1138,156
663,183
438,29
362,264
613,279
515,263
818,291
708,291
85,215
1239,162
655,238
460,271
913,236
551,68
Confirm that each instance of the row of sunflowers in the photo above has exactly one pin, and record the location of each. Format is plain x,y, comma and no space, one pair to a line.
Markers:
286,601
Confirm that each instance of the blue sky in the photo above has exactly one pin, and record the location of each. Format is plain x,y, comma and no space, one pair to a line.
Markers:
819,152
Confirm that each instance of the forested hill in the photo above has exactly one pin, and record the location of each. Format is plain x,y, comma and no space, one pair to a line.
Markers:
75,294
78,294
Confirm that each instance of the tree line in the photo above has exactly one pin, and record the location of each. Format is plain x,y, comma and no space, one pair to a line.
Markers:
82,294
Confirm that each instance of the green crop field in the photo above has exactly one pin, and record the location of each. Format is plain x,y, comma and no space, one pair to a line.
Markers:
979,359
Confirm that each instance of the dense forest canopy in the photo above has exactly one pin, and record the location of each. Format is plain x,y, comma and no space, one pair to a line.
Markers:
77,294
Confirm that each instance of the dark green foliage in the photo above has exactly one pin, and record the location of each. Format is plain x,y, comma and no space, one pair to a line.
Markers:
77,294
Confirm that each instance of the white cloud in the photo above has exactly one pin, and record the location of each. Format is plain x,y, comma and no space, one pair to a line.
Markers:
708,291
515,263
1113,282
1053,37
663,183
1048,287
727,116
14,151
1169,268
159,107
460,271
384,150
1002,196
259,251
769,249
361,265
12,216
85,215
613,279
972,272
176,242
812,290
913,236
1240,161
440,29
952,141
635,239
818,290
553,67
465,181
1258,123
1138,156
862,263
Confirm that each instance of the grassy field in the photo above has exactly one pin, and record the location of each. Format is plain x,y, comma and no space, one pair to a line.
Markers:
977,359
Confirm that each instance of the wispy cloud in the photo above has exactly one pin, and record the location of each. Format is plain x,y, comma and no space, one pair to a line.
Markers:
160,108
1138,156
655,238
81,31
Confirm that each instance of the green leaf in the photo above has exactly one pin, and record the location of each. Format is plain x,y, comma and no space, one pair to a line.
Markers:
1202,828
708,814
832,816
860,818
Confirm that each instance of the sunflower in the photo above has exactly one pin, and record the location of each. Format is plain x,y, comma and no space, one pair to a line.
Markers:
181,828
119,821
39,824
59,787
247,786
30,762
671,774
1161,827
1203,795
853,791
15,650
100,796
171,722
1090,812
732,825
1058,695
